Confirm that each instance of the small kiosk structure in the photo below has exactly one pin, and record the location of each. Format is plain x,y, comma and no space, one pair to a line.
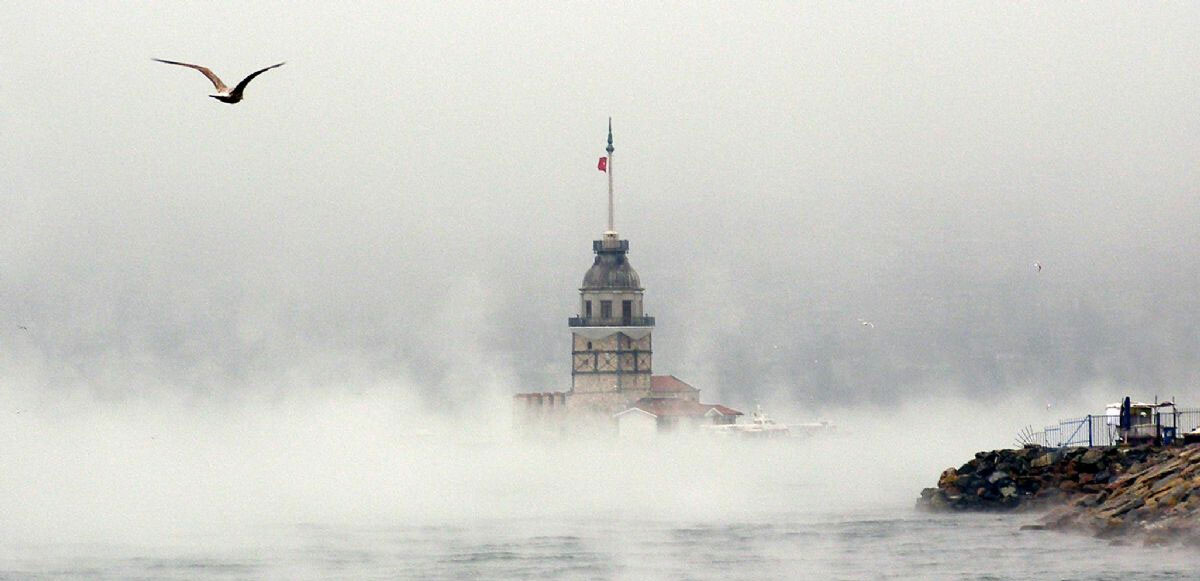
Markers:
1139,423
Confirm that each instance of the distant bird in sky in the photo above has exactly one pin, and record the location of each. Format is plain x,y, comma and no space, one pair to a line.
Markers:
223,93
23,327
1037,266
866,323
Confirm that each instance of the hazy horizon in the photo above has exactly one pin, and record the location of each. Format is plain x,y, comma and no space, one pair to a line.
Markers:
410,201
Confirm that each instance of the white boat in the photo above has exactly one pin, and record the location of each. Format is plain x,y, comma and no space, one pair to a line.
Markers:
759,426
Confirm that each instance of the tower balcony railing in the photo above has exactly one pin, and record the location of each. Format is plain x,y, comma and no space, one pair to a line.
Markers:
611,322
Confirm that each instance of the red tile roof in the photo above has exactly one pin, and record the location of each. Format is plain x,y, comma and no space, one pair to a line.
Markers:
726,411
669,384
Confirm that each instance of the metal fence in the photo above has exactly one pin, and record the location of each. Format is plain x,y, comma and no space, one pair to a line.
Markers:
1101,429
1187,420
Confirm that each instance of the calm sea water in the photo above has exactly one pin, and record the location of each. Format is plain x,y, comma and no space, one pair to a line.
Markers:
900,544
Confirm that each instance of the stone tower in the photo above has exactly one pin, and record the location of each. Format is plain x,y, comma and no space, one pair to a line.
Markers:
611,337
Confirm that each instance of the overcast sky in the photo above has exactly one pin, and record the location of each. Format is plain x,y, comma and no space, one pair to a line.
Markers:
411,199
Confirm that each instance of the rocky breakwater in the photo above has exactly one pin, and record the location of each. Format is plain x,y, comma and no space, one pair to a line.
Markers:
1029,477
1157,501
1153,492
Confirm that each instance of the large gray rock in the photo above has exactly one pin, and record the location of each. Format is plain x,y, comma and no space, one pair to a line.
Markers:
1043,461
1092,457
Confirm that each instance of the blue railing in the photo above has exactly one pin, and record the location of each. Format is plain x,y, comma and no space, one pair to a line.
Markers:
1102,430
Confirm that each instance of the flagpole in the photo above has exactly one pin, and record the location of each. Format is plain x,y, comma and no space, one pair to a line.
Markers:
609,149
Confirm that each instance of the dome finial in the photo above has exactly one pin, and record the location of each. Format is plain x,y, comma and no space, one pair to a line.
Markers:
610,147
611,233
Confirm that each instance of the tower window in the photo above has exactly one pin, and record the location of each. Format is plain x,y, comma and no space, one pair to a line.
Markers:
589,345
627,311
587,309
605,309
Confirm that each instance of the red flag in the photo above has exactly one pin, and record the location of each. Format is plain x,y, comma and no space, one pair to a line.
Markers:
603,165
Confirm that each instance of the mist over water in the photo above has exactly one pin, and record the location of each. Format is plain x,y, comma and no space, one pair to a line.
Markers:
368,484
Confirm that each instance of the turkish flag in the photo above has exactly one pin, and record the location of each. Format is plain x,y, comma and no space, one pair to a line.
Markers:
603,165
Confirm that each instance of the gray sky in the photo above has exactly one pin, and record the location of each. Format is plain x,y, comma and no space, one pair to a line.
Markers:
411,199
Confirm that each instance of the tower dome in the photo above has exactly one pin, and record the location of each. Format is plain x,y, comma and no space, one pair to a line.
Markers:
611,270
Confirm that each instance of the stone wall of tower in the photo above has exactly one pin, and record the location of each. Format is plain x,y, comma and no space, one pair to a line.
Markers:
604,404
610,371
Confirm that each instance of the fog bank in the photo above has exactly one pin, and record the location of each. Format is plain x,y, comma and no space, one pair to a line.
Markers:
169,469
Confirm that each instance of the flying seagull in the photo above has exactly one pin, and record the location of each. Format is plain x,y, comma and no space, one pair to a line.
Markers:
866,323
23,327
1038,266
223,93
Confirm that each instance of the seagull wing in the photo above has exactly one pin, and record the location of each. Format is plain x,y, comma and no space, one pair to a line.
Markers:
216,81
236,93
